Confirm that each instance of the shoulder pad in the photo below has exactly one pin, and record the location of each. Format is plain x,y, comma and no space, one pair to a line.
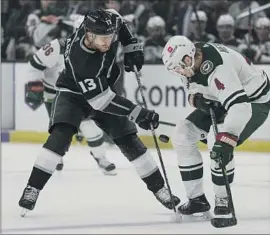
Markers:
49,54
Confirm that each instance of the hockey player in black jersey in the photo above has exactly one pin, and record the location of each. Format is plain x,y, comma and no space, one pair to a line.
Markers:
85,91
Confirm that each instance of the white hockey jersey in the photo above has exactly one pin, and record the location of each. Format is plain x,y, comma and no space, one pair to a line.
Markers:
228,77
46,64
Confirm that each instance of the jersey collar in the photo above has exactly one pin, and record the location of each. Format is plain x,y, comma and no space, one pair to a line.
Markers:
84,47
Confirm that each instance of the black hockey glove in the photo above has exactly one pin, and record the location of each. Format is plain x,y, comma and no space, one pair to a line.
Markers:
133,55
198,101
222,150
144,117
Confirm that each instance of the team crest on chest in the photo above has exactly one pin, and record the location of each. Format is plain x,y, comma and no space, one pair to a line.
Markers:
206,67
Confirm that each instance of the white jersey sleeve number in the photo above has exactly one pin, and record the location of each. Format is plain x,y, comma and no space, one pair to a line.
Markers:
226,86
88,85
48,55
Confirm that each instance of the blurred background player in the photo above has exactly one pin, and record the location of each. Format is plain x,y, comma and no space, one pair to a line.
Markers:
225,28
155,41
45,66
42,24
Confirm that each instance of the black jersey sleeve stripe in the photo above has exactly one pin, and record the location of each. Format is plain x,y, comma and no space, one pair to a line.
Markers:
119,106
232,97
36,65
238,100
261,91
255,93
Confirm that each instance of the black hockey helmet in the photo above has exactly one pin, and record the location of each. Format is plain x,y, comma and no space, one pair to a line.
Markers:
99,22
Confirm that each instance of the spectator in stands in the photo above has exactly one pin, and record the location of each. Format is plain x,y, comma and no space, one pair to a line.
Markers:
259,50
242,25
225,28
213,10
198,26
17,42
155,41
178,22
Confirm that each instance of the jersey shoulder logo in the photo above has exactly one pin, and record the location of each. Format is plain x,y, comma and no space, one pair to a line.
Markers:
219,85
206,67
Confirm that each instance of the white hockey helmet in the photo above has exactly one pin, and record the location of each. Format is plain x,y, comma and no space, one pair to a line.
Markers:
155,21
176,50
201,16
263,22
155,26
225,19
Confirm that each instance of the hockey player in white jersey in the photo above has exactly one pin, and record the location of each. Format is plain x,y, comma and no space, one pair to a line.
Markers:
46,65
221,78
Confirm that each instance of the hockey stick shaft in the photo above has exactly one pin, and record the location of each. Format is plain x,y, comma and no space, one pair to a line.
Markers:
155,138
223,167
167,123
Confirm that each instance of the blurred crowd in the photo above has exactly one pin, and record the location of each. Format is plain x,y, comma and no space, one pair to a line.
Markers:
27,25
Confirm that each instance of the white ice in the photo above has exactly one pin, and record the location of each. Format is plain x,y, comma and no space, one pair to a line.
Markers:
81,200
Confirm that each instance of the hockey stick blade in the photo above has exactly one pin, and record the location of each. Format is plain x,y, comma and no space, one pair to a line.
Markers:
223,222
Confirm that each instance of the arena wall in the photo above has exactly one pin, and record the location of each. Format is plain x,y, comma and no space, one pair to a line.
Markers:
164,93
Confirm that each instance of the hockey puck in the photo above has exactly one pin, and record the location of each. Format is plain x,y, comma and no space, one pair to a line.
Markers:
164,138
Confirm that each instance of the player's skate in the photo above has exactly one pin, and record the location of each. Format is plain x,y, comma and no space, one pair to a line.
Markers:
223,216
60,165
28,199
105,165
163,196
196,209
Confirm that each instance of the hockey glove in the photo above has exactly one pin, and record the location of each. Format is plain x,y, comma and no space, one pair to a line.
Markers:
198,101
133,55
222,150
144,117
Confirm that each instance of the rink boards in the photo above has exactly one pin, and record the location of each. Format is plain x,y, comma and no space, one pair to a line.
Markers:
41,137
164,93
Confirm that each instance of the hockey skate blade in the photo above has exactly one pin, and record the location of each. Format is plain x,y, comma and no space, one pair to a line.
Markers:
197,217
223,222
23,212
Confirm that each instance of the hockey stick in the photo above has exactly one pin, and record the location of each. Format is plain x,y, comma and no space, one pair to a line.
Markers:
253,11
167,123
218,222
249,25
155,139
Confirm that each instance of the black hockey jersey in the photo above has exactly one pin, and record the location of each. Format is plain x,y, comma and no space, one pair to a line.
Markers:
88,72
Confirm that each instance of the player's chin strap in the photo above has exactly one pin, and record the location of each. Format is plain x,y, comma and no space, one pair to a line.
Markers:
155,139
223,222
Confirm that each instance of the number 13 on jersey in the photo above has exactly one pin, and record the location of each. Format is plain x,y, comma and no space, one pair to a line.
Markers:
87,85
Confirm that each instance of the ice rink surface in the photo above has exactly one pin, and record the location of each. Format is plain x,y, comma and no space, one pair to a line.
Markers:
81,200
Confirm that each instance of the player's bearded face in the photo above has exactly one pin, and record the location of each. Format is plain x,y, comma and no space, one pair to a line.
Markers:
185,68
100,42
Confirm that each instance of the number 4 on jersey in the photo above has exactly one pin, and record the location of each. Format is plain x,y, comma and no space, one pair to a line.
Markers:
87,85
